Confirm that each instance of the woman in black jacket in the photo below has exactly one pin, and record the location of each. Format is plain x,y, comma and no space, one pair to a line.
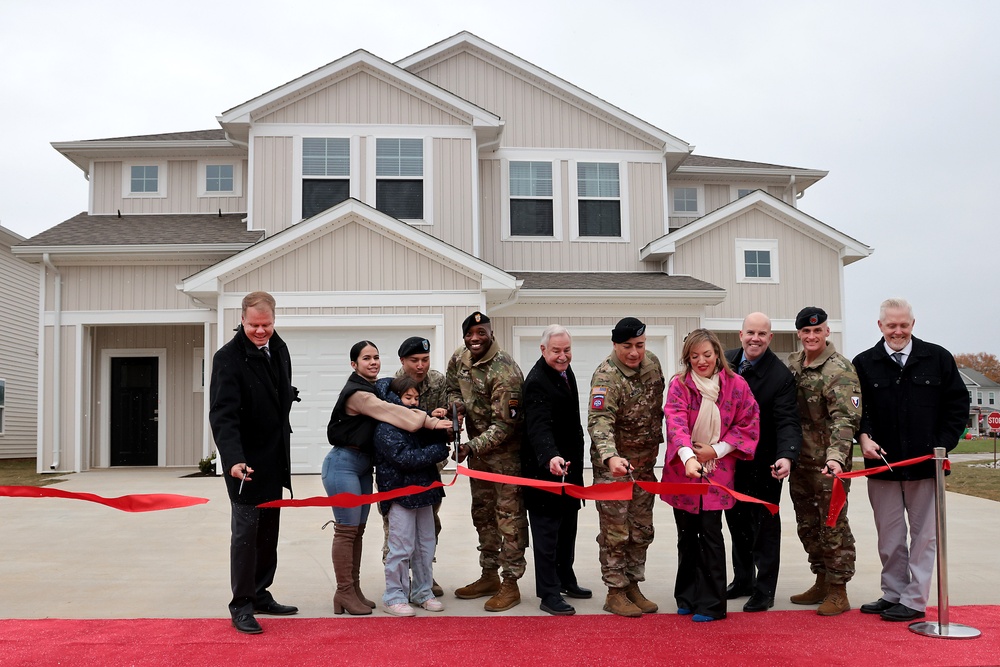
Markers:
553,450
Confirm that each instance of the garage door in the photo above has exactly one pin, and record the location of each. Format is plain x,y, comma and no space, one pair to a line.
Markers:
320,366
591,345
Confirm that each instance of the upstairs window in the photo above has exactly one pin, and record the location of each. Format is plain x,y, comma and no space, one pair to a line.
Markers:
218,178
599,199
757,263
326,173
993,398
685,200
757,260
147,178
399,178
743,192
531,205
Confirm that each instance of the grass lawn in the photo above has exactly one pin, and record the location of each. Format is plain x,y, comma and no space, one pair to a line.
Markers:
21,472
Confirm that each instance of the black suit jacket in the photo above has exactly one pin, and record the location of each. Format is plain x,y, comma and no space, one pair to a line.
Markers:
552,428
250,398
911,410
773,387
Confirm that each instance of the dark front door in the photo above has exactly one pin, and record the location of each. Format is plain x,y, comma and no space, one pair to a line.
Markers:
134,411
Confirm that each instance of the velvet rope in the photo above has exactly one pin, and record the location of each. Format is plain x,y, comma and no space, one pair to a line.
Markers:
838,497
143,502
607,491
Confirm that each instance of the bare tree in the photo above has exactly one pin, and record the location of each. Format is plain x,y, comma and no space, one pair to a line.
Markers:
985,363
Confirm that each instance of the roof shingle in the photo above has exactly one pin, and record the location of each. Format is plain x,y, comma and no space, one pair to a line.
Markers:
183,229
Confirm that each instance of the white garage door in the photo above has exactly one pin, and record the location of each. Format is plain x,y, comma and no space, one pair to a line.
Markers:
591,345
320,366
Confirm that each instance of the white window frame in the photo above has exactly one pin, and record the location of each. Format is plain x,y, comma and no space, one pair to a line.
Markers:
237,166
770,245
979,398
574,201
734,189
3,404
371,182
992,398
505,197
198,368
298,176
161,179
700,193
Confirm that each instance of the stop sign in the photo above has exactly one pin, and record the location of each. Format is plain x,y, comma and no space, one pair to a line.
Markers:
993,421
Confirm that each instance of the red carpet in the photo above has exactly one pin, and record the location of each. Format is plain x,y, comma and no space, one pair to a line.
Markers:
772,638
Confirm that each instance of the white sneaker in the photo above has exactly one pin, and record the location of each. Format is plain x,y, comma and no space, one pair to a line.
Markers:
399,609
432,604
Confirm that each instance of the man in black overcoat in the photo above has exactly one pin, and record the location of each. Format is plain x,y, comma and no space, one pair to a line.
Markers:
251,395
756,533
553,449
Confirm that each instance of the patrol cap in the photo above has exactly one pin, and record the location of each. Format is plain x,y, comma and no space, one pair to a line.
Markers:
414,345
810,316
472,320
627,328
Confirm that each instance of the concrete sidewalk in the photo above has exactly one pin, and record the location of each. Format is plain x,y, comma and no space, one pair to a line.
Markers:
73,559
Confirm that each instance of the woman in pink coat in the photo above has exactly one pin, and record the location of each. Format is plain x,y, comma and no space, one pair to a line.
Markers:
712,420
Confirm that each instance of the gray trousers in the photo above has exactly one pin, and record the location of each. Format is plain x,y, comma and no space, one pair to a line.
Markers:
411,548
906,568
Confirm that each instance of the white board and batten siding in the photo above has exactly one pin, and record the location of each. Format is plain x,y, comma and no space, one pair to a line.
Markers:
18,352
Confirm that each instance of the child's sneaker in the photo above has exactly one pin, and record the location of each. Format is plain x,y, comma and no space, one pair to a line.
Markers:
399,609
432,604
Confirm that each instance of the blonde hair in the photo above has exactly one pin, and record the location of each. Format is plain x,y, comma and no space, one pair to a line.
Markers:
256,299
697,337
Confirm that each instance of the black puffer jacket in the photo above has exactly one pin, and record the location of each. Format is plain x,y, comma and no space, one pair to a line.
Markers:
407,459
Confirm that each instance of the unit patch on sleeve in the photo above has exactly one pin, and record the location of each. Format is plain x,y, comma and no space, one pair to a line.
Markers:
597,396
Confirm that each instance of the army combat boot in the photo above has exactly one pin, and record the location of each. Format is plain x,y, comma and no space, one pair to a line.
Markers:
636,597
618,603
816,594
508,596
836,601
488,584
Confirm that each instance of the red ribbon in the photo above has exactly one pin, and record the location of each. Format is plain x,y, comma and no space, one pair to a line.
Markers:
144,502
838,497
607,491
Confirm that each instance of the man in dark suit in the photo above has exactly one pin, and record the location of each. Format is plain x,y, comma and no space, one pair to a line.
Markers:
553,450
913,400
251,395
755,532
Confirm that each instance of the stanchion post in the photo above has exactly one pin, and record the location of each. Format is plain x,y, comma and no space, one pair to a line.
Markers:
942,628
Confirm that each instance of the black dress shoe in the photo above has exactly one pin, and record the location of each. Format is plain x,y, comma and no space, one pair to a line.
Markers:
247,624
758,602
900,612
274,609
578,592
735,590
877,607
557,607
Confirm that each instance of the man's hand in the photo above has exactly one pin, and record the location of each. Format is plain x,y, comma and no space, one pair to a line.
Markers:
463,452
781,468
558,466
832,469
241,471
869,448
619,466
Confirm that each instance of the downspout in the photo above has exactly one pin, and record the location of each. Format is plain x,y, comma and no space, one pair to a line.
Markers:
795,195
56,366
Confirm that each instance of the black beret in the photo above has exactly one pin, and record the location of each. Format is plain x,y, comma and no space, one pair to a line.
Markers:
472,320
810,316
414,345
627,328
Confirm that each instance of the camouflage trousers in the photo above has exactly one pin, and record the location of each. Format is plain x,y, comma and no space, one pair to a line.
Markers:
499,517
830,550
626,531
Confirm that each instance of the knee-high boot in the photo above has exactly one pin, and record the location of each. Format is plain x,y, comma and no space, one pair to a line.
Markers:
342,553
356,569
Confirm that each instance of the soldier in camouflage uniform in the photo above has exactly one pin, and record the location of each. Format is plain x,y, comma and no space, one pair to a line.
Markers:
829,397
625,421
486,382
415,359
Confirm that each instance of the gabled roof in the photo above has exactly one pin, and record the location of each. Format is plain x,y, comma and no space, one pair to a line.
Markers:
674,149
974,378
236,120
9,237
207,283
850,249
142,234
199,143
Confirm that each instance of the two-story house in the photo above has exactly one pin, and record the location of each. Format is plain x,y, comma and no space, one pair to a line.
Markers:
18,352
380,201
984,398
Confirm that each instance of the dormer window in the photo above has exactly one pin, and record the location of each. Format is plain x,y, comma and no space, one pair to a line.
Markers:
220,177
399,178
686,201
144,179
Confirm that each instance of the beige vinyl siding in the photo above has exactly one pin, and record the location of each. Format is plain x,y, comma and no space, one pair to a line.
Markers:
122,287
352,258
533,116
182,407
645,223
362,99
452,193
272,184
182,191
67,396
808,270
18,355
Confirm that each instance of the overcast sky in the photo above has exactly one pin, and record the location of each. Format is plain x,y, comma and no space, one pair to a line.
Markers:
897,100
